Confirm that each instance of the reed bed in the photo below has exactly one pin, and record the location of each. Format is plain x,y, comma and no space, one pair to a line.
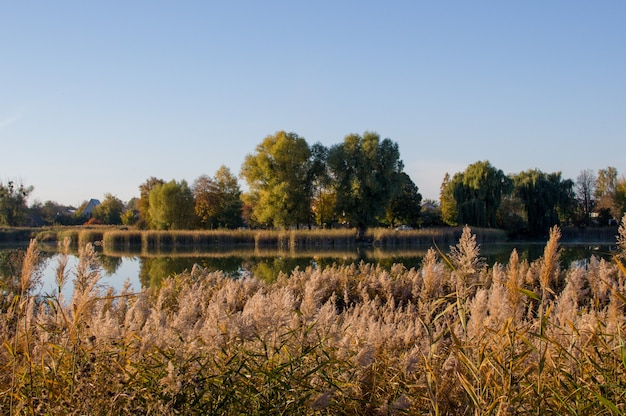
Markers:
452,337
80,236
323,239
15,234
70,234
442,236
121,241
118,241
92,236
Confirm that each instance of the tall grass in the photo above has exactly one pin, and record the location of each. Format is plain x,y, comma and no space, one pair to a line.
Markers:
189,241
389,238
453,337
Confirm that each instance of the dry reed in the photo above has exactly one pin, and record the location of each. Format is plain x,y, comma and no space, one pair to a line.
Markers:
450,337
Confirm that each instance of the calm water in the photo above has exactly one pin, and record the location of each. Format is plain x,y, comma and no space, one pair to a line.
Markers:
145,271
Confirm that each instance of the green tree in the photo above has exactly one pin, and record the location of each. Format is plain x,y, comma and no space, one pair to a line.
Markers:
323,206
13,208
129,217
279,177
131,214
172,206
206,200
512,216
218,200
366,175
229,215
474,195
606,182
51,213
544,196
109,211
620,198
605,194
143,204
406,206
323,198
449,212
477,193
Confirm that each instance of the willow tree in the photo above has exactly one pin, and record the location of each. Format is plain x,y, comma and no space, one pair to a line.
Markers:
545,196
366,174
279,180
477,194
143,203
171,206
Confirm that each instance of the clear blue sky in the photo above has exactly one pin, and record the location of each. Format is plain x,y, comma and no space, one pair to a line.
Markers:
97,96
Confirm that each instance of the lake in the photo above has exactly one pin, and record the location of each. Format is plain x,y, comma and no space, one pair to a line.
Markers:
143,271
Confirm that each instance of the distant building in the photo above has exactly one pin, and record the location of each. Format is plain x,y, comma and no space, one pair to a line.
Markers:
429,205
88,211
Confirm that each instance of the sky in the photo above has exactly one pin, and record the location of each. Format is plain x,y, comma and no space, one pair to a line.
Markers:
96,97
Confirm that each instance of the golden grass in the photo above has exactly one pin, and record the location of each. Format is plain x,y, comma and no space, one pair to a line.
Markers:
453,337
119,241
172,241
443,236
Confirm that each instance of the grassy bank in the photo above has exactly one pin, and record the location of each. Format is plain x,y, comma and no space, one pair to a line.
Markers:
452,337
194,241
116,240
123,239
15,234
442,236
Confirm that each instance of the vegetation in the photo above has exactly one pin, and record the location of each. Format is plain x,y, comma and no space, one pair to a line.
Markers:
109,211
545,197
358,183
218,200
405,208
280,176
143,204
585,188
366,176
477,194
171,206
13,209
452,337
528,203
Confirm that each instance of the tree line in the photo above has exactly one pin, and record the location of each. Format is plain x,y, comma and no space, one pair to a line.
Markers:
359,182
530,202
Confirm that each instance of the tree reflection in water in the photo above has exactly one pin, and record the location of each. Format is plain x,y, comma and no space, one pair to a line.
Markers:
267,264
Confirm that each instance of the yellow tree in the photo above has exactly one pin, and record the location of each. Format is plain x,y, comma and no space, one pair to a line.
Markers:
172,206
279,178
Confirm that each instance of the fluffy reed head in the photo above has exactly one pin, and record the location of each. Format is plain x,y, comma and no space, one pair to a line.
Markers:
31,269
550,262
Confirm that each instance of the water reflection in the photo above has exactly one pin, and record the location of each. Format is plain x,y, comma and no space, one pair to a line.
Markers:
11,261
267,264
